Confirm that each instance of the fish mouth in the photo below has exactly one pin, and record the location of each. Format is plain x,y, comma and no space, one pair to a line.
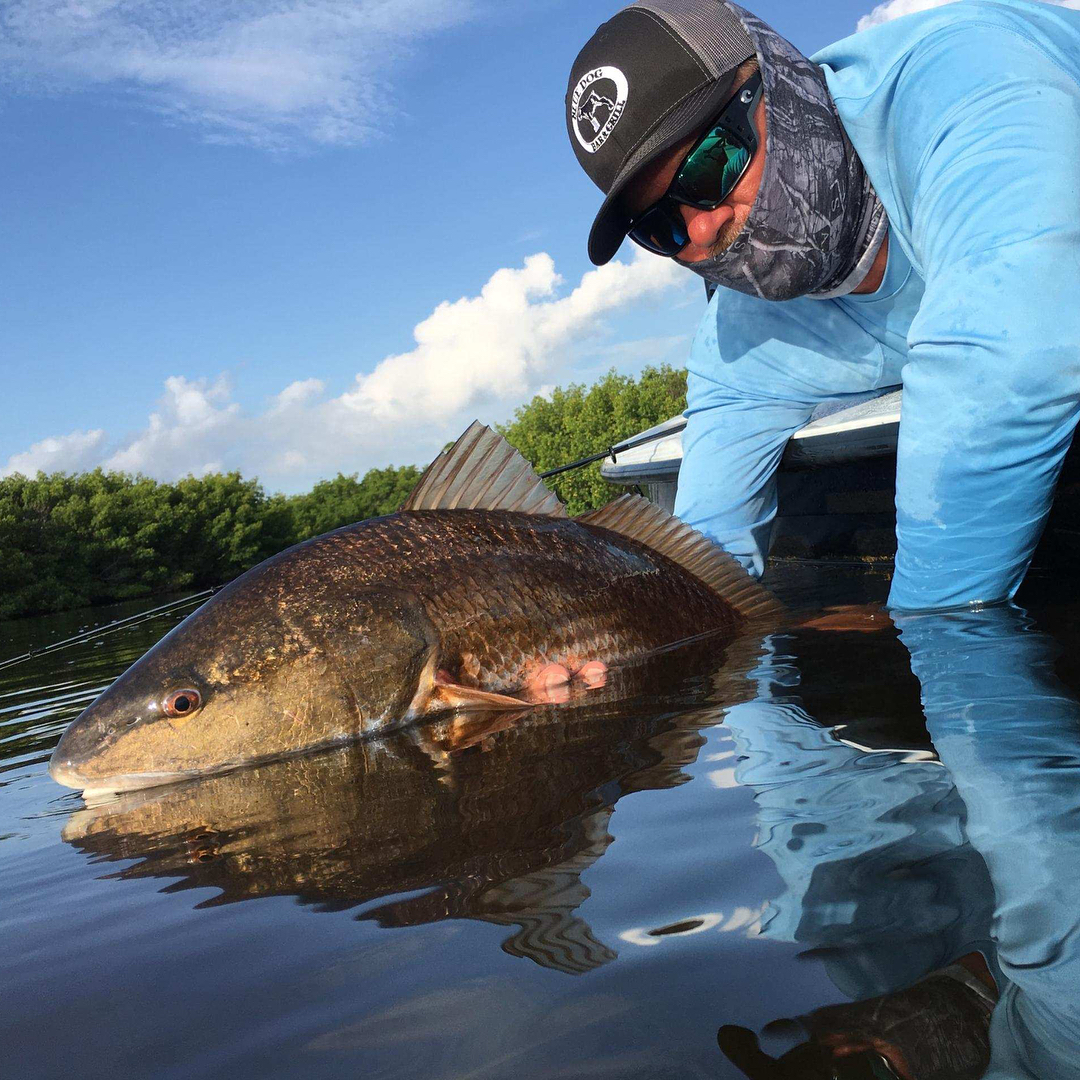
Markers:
67,774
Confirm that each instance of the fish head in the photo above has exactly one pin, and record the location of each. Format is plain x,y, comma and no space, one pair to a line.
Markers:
252,676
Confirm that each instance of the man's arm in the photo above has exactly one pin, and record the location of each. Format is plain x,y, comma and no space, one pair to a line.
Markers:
991,388
757,370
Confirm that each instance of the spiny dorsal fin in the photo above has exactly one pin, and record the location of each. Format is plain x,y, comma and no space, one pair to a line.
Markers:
641,520
482,471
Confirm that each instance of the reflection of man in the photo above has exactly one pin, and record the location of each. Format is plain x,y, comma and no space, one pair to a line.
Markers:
1009,732
880,885
885,895
906,209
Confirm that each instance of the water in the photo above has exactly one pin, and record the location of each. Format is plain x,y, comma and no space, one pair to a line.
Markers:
594,890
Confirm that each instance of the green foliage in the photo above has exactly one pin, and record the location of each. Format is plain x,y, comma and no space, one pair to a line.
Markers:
345,499
68,541
578,421
98,537
72,540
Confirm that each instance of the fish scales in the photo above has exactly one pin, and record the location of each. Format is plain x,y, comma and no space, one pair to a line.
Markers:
509,590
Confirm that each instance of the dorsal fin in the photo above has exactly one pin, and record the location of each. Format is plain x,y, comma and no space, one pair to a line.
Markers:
641,520
482,471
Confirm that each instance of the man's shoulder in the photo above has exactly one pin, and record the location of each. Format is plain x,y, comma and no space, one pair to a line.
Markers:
904,89
949,40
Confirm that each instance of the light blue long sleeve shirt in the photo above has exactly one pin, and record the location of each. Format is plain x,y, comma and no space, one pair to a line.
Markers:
967,118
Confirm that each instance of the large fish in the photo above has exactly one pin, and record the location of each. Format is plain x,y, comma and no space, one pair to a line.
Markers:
480,593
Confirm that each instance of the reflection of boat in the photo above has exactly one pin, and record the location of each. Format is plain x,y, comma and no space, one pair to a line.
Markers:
855,710
498,829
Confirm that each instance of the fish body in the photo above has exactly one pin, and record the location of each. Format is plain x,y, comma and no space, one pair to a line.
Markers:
391,620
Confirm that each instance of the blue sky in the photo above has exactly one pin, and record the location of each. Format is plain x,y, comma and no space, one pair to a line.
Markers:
301,236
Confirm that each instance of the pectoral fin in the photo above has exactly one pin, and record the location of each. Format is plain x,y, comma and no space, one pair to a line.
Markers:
437,692
451,695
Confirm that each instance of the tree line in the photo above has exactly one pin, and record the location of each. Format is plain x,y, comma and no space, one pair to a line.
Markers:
73,540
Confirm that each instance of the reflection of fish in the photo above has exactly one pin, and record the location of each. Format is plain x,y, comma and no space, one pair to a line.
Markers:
500,832
479,589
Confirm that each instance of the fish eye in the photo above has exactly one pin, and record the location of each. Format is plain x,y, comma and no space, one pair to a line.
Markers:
181,702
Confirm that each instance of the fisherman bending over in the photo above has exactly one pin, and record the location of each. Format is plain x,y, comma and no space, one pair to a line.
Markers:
903,208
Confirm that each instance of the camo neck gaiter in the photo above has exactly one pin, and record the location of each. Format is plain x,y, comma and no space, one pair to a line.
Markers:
817,224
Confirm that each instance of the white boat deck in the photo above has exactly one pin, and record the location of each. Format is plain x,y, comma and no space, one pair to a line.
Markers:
840,432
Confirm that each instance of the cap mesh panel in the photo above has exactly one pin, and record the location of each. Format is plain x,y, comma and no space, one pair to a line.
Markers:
709,28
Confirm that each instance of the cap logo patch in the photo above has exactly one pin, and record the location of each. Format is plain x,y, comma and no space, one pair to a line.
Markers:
597,105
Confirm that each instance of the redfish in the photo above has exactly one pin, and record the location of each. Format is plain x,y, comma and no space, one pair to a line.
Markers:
480,593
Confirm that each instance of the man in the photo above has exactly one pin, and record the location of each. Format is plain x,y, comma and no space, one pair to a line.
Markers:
905,208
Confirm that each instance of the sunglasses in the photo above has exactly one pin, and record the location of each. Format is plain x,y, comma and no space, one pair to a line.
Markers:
707,176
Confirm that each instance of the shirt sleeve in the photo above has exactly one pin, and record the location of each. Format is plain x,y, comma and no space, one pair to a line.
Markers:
988,166
757,371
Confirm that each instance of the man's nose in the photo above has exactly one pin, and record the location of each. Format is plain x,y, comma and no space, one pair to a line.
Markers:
703,227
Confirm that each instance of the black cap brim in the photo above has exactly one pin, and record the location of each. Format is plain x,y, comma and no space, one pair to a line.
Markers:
612,222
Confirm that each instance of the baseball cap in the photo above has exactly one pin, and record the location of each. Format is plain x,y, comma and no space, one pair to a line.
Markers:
648,77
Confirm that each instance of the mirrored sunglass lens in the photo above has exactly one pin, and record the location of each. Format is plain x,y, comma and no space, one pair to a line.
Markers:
661,233
713,169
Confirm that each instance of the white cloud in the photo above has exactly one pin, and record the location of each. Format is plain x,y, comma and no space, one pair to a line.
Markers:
65,453
269,72
895,9
495,344
189,433
479,356
297,393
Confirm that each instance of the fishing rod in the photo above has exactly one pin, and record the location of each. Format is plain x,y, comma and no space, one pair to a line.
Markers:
110,628
671,428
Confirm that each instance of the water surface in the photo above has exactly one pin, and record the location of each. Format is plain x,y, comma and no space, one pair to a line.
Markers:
777,833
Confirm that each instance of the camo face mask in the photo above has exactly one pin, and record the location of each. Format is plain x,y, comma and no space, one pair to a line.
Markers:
817,224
